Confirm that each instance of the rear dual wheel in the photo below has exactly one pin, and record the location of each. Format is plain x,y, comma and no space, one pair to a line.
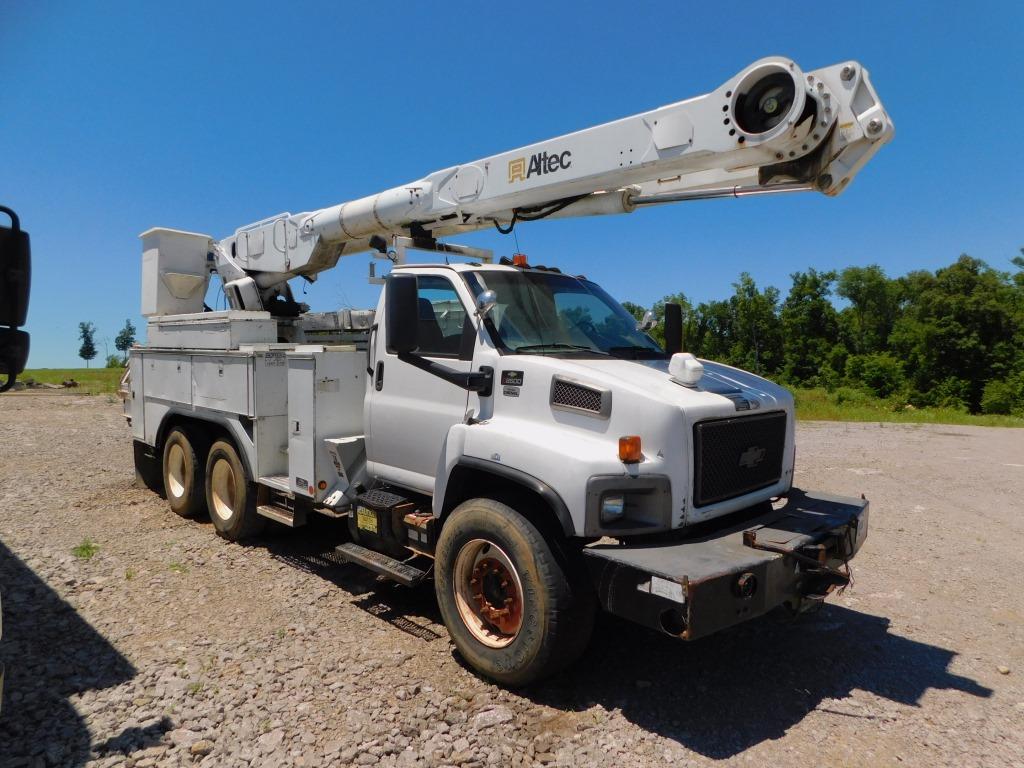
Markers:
183,474
230,495
220,484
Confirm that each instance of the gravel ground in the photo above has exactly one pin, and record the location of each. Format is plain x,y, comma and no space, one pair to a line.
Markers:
172,647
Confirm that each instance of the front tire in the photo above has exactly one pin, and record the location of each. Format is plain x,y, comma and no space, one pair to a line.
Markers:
183,474
230,495
515,611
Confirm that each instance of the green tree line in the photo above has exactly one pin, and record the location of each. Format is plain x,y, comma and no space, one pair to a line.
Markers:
949,338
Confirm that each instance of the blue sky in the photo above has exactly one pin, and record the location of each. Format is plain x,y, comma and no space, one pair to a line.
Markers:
120,116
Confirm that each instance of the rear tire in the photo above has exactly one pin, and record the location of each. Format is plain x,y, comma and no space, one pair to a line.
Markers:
516,612
183,475
230,495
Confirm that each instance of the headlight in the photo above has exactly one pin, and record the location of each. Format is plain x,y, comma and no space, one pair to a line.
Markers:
628,505
613,508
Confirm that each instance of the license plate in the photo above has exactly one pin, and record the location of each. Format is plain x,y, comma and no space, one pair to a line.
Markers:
366,519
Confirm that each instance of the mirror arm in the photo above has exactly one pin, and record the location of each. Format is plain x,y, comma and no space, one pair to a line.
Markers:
475,381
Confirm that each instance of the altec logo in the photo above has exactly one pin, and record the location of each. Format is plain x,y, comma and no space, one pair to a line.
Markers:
540,164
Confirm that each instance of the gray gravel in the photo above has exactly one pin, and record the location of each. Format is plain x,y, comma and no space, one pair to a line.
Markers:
172,647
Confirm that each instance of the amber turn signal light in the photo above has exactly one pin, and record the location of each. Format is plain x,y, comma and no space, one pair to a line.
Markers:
629,449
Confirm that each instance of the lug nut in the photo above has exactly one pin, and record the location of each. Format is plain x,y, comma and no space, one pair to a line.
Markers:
847,73
875,126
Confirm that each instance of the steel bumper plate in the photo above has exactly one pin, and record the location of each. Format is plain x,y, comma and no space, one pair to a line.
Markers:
708,579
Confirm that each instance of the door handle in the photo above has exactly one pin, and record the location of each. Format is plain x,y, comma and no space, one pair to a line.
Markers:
379,378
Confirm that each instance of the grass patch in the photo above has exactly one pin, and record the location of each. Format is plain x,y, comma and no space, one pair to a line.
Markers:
178,568
86,549
91,381
851,405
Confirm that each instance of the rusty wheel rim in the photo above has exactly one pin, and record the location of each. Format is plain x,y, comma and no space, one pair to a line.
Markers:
488,593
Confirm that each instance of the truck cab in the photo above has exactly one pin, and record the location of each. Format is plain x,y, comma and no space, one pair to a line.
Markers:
571,376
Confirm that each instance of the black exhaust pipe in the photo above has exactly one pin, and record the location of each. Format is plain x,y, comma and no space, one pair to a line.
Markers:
673,328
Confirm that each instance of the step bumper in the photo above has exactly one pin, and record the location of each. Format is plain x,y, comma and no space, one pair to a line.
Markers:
743,567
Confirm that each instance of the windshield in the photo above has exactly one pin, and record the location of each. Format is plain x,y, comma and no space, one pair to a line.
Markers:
549,313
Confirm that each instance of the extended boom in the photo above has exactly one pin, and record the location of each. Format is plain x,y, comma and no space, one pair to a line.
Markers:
772,128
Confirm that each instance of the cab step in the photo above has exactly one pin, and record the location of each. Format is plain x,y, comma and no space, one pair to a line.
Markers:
403,573
293,518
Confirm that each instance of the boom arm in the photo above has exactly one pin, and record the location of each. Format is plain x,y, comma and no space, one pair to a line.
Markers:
771,128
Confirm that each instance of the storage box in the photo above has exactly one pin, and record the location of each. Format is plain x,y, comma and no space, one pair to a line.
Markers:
211,330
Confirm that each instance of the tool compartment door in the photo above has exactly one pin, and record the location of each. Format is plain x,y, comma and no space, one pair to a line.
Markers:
301,423
222,383
136,403
168,376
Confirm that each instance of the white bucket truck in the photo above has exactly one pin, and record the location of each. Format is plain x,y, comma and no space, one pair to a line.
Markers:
508,429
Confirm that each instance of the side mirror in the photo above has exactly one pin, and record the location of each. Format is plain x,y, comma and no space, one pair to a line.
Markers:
13,355
485,302
15,279
648,322
402,312
15,272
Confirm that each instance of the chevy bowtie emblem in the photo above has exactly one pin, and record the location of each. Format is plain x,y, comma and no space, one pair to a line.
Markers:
753,456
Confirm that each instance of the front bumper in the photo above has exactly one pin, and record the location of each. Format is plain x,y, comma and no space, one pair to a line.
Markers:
714,578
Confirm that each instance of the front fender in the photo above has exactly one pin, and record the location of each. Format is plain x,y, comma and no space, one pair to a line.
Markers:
559,459
516,477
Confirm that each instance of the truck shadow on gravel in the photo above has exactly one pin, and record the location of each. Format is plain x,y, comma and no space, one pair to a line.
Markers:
718,696
413,611
50,653
724,694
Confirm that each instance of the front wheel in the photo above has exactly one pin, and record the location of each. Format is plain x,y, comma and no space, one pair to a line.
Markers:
230,496
516,612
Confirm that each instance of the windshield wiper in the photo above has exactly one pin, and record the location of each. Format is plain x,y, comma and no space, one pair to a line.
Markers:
558,345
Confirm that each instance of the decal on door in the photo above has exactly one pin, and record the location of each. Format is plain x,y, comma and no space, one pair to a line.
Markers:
512,378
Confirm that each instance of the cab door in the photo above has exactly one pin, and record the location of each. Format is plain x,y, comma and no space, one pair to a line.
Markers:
409,410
